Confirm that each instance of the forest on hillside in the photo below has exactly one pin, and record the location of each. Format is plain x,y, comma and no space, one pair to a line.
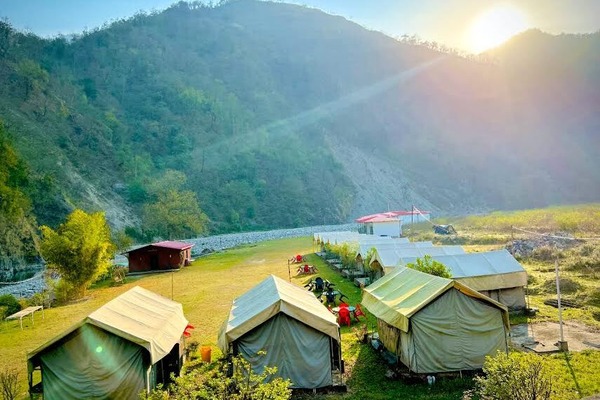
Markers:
263,115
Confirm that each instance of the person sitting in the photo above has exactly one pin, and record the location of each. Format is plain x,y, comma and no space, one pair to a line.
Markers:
330,296
319,284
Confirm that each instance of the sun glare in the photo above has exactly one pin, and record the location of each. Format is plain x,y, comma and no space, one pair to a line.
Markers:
494,26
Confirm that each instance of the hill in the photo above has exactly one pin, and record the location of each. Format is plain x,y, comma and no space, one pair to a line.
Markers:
279,115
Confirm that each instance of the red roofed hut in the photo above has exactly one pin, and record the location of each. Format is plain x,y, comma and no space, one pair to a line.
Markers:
160,256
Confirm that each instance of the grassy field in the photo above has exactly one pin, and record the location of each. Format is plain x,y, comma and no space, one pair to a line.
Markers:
207,288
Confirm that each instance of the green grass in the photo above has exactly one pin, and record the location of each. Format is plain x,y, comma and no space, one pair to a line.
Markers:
207,288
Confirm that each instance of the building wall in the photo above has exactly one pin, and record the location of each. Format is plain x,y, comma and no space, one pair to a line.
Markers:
154,259
393,229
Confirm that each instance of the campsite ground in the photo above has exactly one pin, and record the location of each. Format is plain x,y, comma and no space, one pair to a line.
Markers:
207,288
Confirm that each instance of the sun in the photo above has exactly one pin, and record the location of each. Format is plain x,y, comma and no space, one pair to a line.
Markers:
494,26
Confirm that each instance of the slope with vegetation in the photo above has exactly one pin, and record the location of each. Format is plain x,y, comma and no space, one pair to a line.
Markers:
277,115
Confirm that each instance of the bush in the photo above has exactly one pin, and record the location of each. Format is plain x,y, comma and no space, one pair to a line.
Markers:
567,286
235,381
594,299
9,386
545,253
63,291
516,376
11,303
430,266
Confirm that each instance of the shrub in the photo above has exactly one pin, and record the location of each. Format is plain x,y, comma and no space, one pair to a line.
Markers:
567,286
235,381
430,266
63,291
11,303
594,299
544,253
516,376
9,387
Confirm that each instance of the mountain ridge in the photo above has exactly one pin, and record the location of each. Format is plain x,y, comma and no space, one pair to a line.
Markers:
269,109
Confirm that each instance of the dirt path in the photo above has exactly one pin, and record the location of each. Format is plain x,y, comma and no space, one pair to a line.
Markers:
543,337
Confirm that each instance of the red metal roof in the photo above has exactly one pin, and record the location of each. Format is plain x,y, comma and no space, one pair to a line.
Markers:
387,216
173,245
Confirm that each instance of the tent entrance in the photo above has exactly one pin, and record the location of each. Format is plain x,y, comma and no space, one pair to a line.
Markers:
301,353
169,364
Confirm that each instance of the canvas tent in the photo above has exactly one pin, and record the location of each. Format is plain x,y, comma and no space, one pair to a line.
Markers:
435,324
387,258
126,346
300,336
495,274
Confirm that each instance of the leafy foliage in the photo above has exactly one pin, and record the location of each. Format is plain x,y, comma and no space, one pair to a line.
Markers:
9,387
210,381
10,304
430,266
175,213
80,249
17,224
516,376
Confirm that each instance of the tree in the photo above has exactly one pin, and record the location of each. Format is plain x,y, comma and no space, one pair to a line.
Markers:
514,376
430,266
175,213
80,249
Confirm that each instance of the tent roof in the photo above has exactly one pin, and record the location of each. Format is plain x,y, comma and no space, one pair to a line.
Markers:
270,297
397,296
140,316
391,257
491,264
365,247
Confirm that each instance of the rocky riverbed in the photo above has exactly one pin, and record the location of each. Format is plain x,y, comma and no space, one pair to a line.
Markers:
203,245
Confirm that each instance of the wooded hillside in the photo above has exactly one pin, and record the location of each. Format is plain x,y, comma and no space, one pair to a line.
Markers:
278,115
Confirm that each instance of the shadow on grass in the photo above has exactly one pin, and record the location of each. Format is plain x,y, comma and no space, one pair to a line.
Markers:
567,357
367,380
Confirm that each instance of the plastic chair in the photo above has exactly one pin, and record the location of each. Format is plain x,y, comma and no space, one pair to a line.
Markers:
344,316
358,312
319,284
342,304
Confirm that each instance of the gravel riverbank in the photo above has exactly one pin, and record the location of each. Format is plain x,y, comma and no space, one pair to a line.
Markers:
36,284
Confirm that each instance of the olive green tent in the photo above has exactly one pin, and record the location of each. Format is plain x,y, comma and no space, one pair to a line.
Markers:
127,346
435,324
300,336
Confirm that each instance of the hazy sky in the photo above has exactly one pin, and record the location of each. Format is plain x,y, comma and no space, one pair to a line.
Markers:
464,24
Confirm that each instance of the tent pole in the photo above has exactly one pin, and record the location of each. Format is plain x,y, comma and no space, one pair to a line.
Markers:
562,344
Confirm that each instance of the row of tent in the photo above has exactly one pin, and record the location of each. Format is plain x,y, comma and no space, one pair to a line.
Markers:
496,274
135,341
434,324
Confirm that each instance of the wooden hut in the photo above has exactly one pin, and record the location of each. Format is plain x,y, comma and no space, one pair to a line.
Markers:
159,256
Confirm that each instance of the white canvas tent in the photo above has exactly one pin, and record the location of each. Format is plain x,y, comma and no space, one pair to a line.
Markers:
387,258
495,274
128,345
300,336
435,324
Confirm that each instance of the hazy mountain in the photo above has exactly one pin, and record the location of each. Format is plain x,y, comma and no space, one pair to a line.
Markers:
281,115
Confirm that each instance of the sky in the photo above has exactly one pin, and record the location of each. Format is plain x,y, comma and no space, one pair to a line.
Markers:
467,25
